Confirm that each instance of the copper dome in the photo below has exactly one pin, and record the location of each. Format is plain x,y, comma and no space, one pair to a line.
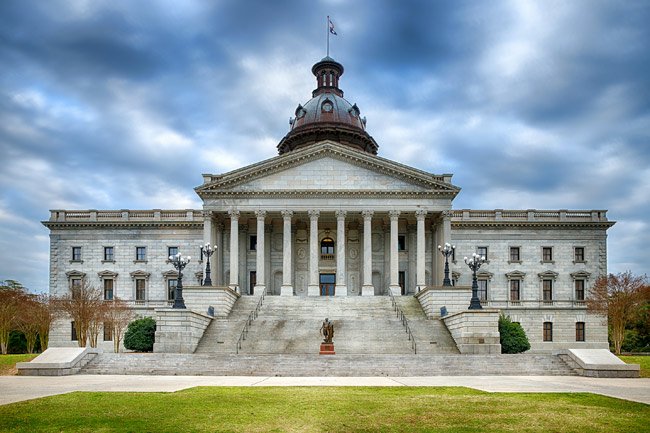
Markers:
328,115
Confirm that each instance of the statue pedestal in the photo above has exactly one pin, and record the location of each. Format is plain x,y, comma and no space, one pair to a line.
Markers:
327,349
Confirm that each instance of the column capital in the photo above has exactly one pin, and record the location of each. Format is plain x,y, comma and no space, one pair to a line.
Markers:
420,214
446,213
313,214
234,213
340,214
207,214
394,214
286,214
260,214
367,214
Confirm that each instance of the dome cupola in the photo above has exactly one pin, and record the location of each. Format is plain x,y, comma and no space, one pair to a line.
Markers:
327,115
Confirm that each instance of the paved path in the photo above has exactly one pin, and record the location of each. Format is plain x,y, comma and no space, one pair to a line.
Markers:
19,388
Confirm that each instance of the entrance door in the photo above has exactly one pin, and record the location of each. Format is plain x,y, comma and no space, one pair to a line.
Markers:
327,282
252,282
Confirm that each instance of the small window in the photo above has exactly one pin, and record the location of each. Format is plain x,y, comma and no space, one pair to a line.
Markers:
547,254
515,290
401,243
73,332
327,246
482,289
515,254
109,254
171,251
252,242
108,332
108,289
579,254
548,331
171,289
547,290
580,290
580,331
140,289
140,254
76,254
482,251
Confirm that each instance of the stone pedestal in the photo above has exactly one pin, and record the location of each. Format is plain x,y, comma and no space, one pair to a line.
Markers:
368,290
327,349
313,290
286,291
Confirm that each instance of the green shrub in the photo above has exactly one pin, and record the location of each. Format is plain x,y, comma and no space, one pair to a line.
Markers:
140,335
513,337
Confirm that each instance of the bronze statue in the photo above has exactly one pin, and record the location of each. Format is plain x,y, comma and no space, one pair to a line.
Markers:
327,331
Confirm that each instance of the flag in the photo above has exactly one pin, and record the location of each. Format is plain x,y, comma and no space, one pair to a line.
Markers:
332,31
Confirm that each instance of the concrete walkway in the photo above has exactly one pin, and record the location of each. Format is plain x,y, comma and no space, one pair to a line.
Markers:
19,388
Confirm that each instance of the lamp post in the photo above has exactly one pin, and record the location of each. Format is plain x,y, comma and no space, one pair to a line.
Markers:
447,251
207,251
179,263
474,264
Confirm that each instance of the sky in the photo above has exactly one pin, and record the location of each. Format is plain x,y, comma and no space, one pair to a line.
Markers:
124,104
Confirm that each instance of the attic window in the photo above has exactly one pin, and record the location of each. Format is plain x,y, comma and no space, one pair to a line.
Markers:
300,112
327,106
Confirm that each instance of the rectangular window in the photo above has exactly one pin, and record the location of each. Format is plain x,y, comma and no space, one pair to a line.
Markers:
580,290
579,254
547,290
547,254
401,243
73,332
108,332
482,251
548,331
580,331
76,254
482,289
140,254
514,254
140,289
109,255
401,277
171,289
108,289
252,282
171,251
515,290
252,242
75,287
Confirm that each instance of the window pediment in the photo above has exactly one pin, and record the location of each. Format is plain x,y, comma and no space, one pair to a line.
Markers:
548,275
140,274
515,275
75,274
170,274
580,275
484,275
107,274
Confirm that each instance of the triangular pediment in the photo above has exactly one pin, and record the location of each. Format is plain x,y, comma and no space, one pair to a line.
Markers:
328,167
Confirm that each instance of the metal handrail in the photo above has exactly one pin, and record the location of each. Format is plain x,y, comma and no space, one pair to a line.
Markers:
404,320
249,321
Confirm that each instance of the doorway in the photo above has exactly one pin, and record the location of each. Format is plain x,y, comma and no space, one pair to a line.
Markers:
252,282
327,283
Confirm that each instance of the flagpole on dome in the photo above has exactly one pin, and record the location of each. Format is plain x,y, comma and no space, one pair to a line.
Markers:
330,29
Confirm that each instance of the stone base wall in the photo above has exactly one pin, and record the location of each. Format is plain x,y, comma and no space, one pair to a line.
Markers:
200,298
178,330
454,298
475,331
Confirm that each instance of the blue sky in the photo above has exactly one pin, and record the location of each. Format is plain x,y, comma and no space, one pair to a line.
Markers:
123,104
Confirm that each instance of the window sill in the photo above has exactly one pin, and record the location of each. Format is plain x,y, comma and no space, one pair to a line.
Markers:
548,262
141,261
584,262
108,261
77,261
518,262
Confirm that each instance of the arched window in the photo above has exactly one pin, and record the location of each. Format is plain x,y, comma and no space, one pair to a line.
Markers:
327,246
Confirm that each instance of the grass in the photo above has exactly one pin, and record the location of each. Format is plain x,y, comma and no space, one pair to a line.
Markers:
644,361
328,409
8,363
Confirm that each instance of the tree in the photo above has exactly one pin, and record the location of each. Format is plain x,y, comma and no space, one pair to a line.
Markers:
26,320
118,315
44,315
512,335
141,335
620,298
12,295
83,305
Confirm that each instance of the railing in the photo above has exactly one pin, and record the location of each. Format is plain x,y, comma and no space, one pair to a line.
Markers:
126,215
405,322
529,215
249,321
534,303
327,256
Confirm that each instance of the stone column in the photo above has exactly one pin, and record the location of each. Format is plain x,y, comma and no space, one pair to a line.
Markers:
207,239
259,261
287,287
367,289
313,288
420,276
234,250
394,254
217,258
341,288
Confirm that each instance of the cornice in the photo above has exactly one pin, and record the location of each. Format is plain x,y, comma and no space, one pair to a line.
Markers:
569,225
62,225
325,193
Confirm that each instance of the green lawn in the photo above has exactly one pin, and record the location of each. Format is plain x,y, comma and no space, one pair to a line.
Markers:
644,361
321,409
8,363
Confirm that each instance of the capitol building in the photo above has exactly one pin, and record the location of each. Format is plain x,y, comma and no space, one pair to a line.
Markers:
329,217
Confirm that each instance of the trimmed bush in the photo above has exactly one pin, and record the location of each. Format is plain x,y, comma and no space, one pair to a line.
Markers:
140,335
513,337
